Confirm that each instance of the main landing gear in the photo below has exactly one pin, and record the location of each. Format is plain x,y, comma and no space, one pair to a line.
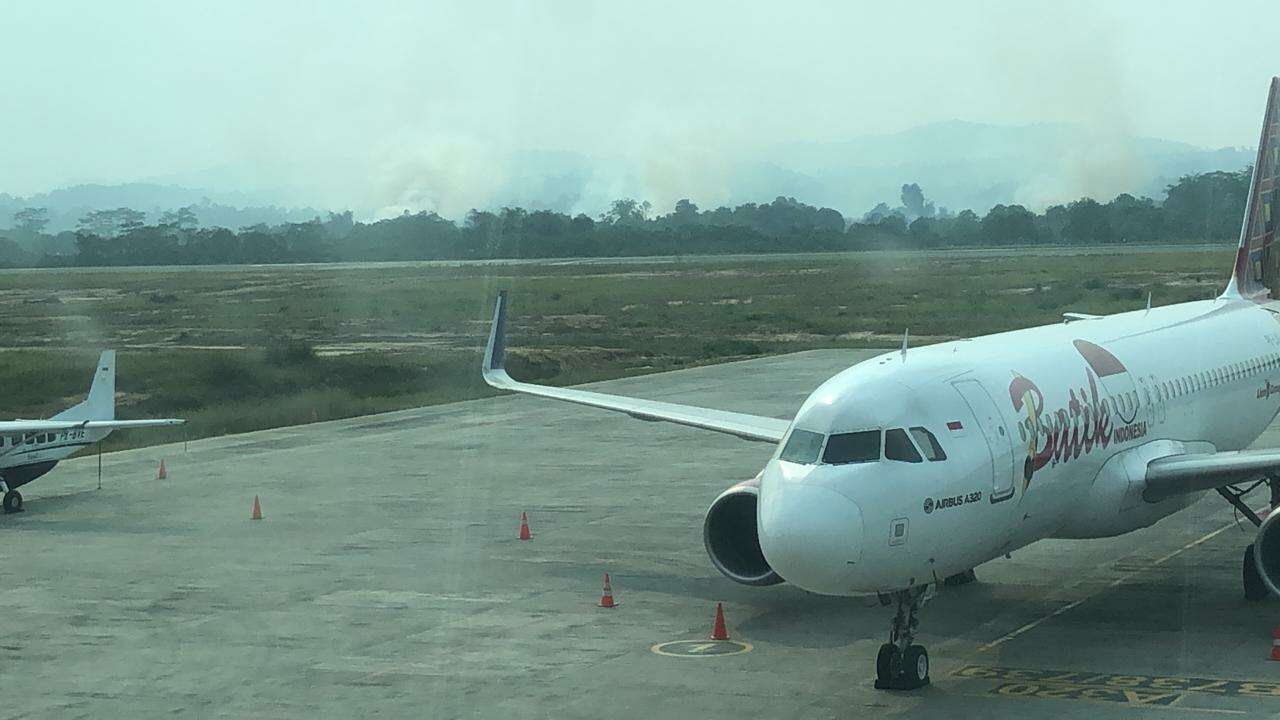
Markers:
13,501
1254,589
901,665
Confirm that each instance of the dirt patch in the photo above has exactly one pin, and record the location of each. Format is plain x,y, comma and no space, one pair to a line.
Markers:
577,320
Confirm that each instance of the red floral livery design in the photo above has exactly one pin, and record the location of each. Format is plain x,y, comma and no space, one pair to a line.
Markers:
1085,422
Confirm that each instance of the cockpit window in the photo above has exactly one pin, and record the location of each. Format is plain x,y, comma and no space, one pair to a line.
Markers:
928,444
802,447
854,447
897,446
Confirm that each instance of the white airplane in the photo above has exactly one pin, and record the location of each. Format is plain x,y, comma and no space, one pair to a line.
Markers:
909,469
30,448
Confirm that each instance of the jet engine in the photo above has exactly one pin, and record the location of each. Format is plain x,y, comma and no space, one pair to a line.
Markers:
1266,552
729,533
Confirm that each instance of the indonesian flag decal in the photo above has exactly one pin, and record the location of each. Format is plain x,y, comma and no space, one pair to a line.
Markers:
1115,379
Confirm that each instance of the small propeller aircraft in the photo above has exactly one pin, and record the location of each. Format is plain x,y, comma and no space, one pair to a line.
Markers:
31,448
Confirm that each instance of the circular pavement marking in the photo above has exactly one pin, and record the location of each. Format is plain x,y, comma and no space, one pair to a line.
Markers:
701,648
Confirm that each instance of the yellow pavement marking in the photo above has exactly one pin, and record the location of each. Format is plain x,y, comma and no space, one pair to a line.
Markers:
1164,692
701,648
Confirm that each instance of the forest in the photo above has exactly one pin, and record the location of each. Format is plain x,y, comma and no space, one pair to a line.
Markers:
1203,207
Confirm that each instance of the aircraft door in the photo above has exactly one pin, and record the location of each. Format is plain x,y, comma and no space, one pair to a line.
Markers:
999,443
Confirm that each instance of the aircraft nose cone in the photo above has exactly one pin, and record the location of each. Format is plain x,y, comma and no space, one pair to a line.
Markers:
811,536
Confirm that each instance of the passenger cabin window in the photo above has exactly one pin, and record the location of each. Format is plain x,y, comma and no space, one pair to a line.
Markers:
854,447
928,444
897,446
802,447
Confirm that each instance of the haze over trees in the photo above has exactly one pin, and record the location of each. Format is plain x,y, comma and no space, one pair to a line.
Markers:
1198,208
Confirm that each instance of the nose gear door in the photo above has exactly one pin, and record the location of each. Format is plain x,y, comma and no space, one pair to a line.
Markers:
999,443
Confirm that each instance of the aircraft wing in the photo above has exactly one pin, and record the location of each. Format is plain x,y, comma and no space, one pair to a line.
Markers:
748,427
1178,474
30,426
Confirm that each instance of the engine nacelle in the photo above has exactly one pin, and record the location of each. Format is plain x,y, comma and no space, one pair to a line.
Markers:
1266,552
730,535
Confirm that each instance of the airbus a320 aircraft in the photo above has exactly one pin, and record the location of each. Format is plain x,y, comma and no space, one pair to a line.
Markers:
30,448
913,467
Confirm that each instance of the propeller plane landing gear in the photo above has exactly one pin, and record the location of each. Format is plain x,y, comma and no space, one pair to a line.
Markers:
13,501
900,664
960,578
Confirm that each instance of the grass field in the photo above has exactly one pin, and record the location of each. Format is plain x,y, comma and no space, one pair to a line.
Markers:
237,349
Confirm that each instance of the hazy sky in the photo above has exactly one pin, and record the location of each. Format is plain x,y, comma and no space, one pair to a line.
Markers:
422,104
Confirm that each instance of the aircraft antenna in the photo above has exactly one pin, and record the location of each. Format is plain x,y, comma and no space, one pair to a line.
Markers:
1148,301
905,334
99,464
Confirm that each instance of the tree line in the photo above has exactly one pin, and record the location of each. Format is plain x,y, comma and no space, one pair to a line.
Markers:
1197,208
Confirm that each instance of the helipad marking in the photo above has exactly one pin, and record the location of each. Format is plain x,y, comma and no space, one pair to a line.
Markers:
701,648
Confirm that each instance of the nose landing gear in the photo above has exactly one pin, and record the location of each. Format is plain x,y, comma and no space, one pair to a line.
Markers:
901,665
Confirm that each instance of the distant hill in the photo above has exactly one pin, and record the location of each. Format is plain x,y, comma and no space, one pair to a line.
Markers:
958,164
973,165
232,210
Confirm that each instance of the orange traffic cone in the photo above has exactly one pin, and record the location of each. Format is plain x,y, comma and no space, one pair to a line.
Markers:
524,527
1275,644
162,474
257,509
606,598
718,632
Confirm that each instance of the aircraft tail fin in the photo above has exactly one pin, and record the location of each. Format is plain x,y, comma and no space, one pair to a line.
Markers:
1257,271
101,402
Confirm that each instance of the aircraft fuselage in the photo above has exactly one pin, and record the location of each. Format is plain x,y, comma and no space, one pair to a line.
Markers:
1046,433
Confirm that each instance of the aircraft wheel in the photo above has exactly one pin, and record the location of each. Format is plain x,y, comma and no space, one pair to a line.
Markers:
1254,588
13,501
888,662
915,667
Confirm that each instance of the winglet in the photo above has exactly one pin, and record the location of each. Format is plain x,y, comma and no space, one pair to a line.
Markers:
495,350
